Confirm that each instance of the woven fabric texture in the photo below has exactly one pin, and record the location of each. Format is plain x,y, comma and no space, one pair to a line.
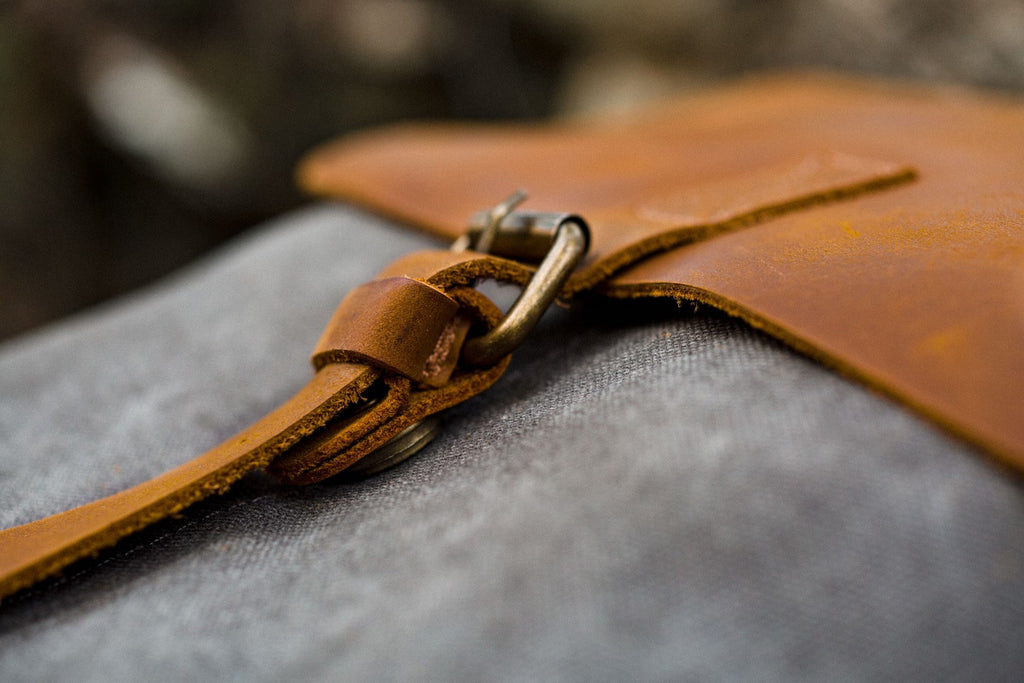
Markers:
650,493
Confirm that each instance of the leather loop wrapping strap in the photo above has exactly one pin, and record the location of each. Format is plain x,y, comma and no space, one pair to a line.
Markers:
398,324
315,427
331,450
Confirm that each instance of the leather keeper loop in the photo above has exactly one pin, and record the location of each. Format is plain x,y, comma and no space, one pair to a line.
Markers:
399,324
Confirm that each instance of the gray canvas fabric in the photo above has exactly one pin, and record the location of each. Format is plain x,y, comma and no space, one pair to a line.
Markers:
657,495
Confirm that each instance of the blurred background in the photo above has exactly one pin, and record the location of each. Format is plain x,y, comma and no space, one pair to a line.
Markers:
137,134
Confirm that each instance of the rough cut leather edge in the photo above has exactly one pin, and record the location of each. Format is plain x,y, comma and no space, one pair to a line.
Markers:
449,269
40,549
602,269
331,451
1004,454
970,178
364,169
338,435
324,440
905,273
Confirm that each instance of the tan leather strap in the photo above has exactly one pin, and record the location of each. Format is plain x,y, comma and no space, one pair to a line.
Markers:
316,427
33,551
878,228
331,451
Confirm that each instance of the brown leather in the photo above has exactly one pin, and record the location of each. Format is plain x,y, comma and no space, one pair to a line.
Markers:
425,329
916,289
879,229
332,450
657,208
33,551
398,324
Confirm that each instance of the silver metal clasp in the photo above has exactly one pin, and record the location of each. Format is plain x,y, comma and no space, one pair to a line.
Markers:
558,241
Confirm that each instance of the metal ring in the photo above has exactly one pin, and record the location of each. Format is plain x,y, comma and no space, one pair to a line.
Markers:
570,244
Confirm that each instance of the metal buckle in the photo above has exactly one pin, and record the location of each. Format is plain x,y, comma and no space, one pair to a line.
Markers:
558,240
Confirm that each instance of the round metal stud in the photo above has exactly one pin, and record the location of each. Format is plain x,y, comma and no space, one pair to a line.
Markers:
403,446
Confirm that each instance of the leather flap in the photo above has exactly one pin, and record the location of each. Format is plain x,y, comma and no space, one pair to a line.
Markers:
917,290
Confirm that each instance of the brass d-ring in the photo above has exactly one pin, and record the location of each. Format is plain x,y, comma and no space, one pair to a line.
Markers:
570,245
559,241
